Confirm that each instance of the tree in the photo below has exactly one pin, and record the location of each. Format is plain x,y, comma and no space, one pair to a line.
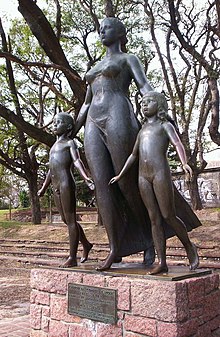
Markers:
53,76
186,86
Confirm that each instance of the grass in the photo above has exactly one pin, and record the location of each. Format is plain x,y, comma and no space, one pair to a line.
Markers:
4,223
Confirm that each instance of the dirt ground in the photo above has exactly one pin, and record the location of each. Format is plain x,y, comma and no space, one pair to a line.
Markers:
14,277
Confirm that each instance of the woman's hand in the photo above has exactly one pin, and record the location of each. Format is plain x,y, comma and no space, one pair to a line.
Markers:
114,180
90,184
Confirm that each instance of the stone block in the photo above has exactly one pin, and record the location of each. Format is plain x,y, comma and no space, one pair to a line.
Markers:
59,310
94,280
196,292
122,284
212,305
40,297
74,277
211,283
142,325
45,323
38,333
108,330
35,316
147,300
80,331
52,281
167,330
58,329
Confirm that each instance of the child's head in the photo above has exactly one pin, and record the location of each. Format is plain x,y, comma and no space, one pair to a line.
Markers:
63,123
156,103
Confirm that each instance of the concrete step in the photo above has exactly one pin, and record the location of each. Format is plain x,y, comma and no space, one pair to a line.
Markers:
44,252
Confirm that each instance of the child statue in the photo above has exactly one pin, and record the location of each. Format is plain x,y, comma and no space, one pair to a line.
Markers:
64,155
154,178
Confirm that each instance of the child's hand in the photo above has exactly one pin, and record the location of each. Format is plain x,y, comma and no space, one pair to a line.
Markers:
40,193
188,172
113,180
90,184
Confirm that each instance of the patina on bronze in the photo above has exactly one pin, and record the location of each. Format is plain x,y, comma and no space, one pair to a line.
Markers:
95,303
111,128
64,156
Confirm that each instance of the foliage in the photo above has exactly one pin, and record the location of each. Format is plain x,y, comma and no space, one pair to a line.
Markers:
57,49
24,199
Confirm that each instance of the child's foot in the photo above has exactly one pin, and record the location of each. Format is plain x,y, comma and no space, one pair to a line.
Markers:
86,251
70,262
159,269
193,257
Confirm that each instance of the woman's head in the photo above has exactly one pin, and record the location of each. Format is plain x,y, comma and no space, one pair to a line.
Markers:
112,29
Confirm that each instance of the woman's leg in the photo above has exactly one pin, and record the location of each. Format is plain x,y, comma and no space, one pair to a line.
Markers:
149,199
100,164
120,144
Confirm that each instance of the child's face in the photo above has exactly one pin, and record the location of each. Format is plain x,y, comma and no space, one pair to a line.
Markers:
60,125
149,106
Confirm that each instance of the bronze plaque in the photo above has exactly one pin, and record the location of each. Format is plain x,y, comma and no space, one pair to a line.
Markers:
91,302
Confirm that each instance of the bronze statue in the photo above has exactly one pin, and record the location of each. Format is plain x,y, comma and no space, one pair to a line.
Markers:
155,183
63,157
111,128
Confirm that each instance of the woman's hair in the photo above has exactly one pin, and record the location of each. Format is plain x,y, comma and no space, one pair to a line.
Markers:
120,27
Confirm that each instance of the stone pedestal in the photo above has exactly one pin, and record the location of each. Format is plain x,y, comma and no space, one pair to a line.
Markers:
146,306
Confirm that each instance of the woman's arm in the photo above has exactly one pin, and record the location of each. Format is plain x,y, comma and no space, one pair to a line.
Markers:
138,74
77,162
80,121
129,162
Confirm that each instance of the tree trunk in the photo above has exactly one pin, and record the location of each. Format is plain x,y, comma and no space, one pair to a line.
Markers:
35,202
194,192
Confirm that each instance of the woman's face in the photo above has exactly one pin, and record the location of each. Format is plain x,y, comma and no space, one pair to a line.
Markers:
108,33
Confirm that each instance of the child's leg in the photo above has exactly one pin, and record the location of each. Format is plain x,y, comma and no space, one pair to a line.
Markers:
150,202
87,246
165,198
82,238
67,205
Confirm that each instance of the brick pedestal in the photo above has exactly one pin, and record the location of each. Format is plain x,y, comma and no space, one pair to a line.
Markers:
145,307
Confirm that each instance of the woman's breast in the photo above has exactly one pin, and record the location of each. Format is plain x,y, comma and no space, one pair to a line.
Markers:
105,68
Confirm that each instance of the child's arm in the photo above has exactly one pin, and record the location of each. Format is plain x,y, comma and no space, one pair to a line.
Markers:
79,165
45,185
129,162
175,140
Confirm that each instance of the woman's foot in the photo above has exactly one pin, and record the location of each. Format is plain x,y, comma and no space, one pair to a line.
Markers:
108,262
159,269
70,262
86,250
193,257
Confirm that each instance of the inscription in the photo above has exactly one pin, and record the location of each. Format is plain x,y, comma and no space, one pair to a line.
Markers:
91,302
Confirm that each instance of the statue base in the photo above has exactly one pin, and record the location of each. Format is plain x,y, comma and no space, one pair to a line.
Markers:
177,304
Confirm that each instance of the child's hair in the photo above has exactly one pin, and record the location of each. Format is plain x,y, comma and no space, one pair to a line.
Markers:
69,119
162,104
162,113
